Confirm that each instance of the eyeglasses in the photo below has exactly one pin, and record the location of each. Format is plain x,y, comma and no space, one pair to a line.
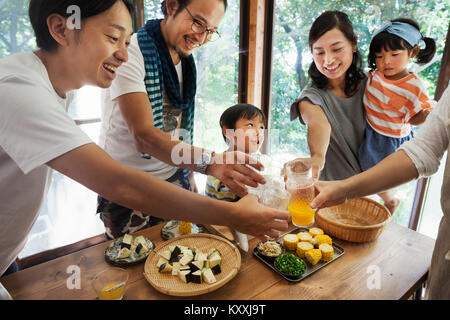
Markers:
199,27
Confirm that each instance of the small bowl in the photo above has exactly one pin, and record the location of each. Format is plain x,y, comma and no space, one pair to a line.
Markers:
110,284
269,257
290,275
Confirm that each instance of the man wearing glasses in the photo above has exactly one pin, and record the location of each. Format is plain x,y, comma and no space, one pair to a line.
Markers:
150,108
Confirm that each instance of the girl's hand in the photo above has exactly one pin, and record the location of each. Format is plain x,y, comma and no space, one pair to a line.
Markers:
420,118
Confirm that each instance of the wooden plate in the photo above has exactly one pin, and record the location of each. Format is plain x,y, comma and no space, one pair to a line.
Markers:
172,285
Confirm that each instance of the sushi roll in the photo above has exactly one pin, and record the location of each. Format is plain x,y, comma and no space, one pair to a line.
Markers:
165,268
304,237
124,253
195,277
175,268
196,265
186,258
216,269
165,254
323,238
184,275
174,254
290,241
126,241
214,260
327,252
302,248
313,256
208,276
141,245
161,261
315,232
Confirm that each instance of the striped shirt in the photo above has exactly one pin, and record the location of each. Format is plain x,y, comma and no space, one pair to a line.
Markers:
390,104
218,190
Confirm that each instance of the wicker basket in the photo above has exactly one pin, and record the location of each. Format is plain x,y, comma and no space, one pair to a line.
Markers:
356,220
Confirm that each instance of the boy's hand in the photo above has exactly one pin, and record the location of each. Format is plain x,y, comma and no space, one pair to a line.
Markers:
232,168
329,193
260,221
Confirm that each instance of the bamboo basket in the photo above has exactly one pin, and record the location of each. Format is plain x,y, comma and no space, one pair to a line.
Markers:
172,285
356,220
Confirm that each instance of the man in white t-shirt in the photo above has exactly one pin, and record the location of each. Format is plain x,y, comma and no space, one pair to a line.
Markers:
37,135
129,110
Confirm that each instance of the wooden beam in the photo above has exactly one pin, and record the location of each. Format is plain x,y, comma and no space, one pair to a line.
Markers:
140,15
243,51
255,51
266,85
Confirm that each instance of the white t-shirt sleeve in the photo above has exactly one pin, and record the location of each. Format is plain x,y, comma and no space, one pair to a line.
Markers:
130,76
432,140
34,126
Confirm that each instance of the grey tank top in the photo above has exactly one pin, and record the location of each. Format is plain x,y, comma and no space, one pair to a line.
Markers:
347,119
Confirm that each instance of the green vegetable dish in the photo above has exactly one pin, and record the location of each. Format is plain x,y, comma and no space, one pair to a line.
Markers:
290,264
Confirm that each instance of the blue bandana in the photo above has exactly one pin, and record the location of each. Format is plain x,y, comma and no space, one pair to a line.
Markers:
403,30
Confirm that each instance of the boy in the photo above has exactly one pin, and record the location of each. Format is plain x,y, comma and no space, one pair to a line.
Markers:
243,130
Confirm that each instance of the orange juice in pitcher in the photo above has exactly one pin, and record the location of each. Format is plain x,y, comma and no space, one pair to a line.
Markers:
301,212
300,185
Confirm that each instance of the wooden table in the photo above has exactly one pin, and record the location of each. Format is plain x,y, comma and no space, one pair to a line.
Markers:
401,257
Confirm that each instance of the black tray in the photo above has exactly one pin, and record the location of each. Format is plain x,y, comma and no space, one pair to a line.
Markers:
338,251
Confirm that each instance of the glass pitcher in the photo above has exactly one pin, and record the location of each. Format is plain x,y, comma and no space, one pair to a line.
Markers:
300,185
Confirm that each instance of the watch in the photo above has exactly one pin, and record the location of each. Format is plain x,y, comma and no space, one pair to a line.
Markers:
204,161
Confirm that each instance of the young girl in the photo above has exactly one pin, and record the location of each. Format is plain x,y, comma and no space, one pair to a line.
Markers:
394,98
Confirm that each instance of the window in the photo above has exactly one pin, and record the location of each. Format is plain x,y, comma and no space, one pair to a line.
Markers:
217,79
292,58
68,203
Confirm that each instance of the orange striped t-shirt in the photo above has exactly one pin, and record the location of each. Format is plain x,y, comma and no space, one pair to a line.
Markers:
390,104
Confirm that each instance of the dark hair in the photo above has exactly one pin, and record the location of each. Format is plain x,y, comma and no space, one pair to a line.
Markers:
387,41
39,10
324,23
181,5
239,111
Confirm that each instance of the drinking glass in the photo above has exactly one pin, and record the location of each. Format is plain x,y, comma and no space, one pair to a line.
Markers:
300,185
110,283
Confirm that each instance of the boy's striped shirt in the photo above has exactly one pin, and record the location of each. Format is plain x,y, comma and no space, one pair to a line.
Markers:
390,104
218,190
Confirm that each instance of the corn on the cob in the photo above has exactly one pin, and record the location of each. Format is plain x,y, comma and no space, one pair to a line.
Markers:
302,248
327,252
323,238
315,231
313,256
184,227
304,236
290,241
